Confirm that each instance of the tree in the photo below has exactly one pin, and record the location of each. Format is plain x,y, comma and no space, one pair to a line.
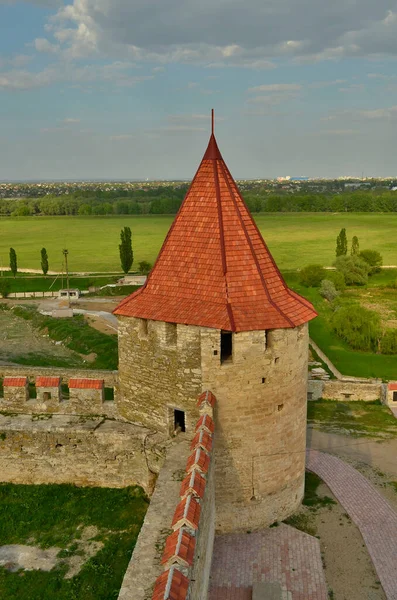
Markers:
337,279
355,270
13,262
341,243
144,267
125,248
374,260
328,290
388,343
355,246
5,287
312,275
44,261
358,326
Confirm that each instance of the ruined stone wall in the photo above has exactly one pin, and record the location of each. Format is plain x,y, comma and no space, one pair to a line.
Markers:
159,371
344,390
69,449
261,425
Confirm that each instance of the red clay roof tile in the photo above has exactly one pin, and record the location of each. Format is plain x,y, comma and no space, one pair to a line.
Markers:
194,484
203,440
206,397
199,460
179,548
392,386
86,384
205,422
187,514
171,585
48,381
214,269
15,381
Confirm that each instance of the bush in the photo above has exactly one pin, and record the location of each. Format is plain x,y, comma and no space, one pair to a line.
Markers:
328,290
5,287
374,260
358,326
144,267
388,344
337,279
312,275
354,269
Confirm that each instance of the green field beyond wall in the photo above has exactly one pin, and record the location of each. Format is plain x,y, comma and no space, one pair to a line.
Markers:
295,240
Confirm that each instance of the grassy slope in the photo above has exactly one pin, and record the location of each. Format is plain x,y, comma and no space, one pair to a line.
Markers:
294,239
49,515
347,361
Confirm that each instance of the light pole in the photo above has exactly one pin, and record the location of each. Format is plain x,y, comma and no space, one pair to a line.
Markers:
65,254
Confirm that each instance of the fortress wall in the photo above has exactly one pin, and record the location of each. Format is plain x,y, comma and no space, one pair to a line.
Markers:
261,425
344,390
90,451
159,371
110,377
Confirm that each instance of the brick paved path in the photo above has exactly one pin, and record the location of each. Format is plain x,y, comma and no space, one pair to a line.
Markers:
372,514
281,554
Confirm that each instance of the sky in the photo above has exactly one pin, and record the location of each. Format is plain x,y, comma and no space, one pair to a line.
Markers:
123,89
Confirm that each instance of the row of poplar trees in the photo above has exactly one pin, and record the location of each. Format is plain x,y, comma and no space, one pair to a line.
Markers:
14,261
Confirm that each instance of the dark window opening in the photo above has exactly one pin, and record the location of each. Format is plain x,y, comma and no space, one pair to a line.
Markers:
179,421
276,360
47,395
394,396
280,407
170,334
226,345
215,352
263,379
109,394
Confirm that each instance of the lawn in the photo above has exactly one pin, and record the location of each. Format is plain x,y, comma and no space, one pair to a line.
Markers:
346,360
98,525
369,419
294,239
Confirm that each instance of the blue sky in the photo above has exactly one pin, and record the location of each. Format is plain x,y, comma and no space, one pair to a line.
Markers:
123,88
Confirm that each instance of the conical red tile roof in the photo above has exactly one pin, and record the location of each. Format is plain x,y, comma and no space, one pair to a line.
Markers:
214,269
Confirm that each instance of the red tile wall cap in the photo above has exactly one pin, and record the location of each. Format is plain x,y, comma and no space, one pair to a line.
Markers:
187,514
392,386
206,397
203,440
194,483
179,548
86,384
171,585
214,268
48,381
205,422
15,381
198,460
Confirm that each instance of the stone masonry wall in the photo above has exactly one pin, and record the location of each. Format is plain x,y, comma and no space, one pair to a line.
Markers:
159,371
343,389
261,425
68,449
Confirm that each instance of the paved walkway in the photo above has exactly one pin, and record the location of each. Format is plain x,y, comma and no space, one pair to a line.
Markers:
279,554
372,514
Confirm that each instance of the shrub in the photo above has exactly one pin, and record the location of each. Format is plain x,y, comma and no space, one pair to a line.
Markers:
5,287
354,269
328,290
358,326
388,344
337,279
144,267
374,260
312,275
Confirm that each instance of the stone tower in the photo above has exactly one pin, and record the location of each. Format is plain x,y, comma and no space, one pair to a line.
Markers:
216,314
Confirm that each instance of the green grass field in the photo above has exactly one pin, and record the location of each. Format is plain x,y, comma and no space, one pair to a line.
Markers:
56,516
295,240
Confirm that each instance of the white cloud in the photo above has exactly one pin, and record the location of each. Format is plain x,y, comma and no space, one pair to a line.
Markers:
277,87
71,120
43,45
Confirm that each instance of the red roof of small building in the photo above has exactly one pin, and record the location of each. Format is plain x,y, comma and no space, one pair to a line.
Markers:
171,585
214,268
179,548
392,386
48,381
15,381
86,384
